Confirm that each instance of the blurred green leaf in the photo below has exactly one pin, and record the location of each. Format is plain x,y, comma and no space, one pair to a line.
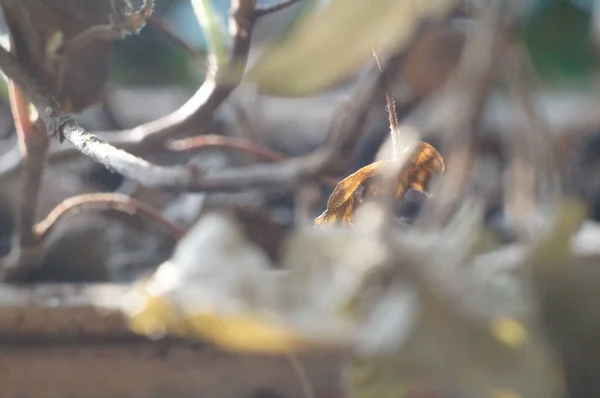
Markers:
329,45
558,36
149,59
213,28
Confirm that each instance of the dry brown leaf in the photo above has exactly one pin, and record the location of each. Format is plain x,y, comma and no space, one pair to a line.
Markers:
367,183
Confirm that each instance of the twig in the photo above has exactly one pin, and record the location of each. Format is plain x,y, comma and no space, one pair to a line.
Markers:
219,141
33,144
307,388
393,116
11,161
219,83
104,201
20,262
235,143
164,28
90,36
246,124
350,120
534,149
264,10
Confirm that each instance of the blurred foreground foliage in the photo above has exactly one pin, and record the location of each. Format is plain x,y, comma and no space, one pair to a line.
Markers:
464,323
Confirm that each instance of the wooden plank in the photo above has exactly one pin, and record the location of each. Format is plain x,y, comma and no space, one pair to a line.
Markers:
55,343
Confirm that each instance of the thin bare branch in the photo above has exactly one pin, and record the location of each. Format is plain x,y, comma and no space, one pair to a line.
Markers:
219,83
307,387
234,143
393,116
164,28
22,259
33,145
219,141
533,149
104,201
264,10
11,161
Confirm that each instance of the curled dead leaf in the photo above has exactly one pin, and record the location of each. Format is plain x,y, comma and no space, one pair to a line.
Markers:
367,183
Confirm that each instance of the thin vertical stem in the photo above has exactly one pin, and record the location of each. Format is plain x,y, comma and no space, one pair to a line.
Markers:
391,107
33,144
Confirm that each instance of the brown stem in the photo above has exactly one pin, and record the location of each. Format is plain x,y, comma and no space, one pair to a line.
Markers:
33,144
104,201
393,116
20,262
164,28
234,143
307,387
219,83
219,141
90,36
534,149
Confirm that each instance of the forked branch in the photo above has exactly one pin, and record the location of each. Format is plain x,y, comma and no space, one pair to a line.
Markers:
346,131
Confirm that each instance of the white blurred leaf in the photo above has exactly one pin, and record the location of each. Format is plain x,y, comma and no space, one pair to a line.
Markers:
221,287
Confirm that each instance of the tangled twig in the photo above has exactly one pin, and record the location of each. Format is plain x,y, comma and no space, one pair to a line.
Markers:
220,81
332,158
234,143
347,129
104,201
